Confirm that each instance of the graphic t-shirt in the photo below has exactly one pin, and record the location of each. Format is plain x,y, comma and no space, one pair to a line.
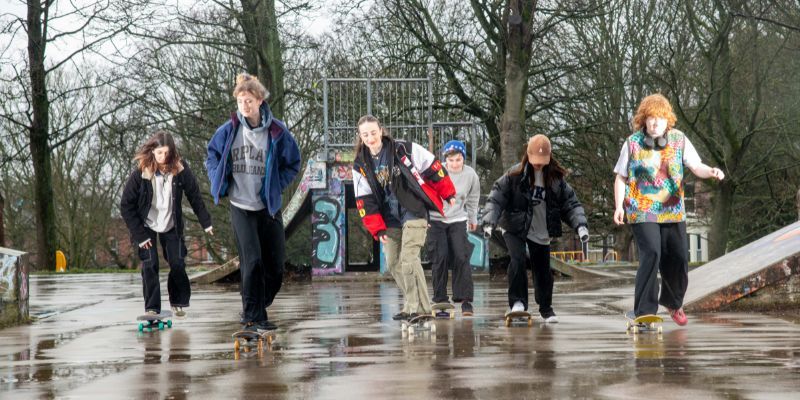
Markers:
249,155
383,174
538,230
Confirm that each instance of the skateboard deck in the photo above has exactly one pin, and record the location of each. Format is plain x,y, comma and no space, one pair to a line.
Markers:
643,323
422,322
246,340
159,321
514,316
448,307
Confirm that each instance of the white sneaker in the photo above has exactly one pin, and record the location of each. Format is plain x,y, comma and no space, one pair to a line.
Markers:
518,306
178,312
551,319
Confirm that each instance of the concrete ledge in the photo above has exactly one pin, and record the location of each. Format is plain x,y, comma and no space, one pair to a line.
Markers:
14,295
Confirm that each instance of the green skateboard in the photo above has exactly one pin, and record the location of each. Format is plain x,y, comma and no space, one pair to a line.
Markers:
150,321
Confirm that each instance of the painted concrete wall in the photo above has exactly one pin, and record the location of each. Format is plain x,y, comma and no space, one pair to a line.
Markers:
14,268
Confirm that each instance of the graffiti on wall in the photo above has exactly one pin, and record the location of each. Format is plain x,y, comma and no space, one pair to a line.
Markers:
326,221
8,277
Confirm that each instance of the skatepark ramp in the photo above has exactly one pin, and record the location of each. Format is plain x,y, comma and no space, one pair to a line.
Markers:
768,261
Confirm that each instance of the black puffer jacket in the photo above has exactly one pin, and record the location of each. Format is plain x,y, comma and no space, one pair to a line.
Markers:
509,205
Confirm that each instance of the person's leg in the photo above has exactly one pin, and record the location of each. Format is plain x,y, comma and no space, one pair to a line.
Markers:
648,244
250,267
178,286
462,271
542,278
151,288
674,268
439,254
517,271
414,232
391,251
273,253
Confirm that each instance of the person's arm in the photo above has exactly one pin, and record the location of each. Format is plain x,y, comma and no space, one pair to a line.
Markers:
619,197
433,173
692,161
192,191
368,207
289,163
473,200
129,210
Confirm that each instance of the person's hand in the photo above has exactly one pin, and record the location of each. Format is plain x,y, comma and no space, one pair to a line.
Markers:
452,201
146,245
472,227
210,230
487,230
619,216
717,174
583,233
384,239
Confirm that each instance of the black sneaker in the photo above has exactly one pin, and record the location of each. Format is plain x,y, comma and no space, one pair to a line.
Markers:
249,327
265,326
400,316
466,309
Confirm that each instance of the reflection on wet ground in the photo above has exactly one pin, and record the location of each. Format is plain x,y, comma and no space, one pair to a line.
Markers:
337,341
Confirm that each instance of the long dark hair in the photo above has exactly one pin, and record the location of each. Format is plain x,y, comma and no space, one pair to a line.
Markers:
552,171
145,158
359,144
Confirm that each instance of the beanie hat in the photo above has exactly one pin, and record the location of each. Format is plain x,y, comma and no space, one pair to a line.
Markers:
455,145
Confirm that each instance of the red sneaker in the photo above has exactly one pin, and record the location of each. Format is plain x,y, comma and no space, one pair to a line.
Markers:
678,316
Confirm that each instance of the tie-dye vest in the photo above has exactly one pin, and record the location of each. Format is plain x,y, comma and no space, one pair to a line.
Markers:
655,180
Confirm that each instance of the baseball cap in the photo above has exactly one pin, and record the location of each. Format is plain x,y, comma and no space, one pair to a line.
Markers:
539,149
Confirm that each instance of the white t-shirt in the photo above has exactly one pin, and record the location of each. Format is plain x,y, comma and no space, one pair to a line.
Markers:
159,218
690,157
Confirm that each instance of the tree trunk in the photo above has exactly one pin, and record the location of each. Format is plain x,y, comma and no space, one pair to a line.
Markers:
263,57
39,133
520,45
798,205
718,237
2,225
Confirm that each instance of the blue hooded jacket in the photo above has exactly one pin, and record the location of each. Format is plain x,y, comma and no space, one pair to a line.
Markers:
282,163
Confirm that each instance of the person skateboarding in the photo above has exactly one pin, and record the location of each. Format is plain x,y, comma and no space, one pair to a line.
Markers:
447,235
252,158
397,184
152,210
648,191
529,202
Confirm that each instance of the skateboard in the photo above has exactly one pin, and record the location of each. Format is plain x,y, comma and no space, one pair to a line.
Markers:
449,307
245,340
514,316
154,321
643,323
422,322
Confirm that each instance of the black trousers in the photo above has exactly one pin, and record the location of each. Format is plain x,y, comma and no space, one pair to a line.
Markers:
261,242
448,247
662,248
178,285
518,274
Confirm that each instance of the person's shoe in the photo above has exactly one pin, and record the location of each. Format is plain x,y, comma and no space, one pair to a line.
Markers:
179,312
550,317
151,312
250,327
466,309
678,316
400,316
241,318
265,326
518,306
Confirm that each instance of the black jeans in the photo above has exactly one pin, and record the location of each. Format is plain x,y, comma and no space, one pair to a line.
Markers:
261,242
178,285
518,274
448,247
663,248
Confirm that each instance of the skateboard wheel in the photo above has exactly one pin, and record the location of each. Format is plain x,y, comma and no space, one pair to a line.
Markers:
635,329
141,327
530,321
236,345
627,326
433,313
452,314
269,340
410,330
508,322
260,346
660,329
433,328
404,326
169,324
652,325
160,326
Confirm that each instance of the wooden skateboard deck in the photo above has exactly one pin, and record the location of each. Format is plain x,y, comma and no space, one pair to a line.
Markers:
512,316
643,323
150,321
245,340
448,307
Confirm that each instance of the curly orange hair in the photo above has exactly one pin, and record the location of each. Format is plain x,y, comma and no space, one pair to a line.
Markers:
655,105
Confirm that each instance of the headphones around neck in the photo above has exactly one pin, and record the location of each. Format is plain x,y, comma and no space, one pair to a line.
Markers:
655,144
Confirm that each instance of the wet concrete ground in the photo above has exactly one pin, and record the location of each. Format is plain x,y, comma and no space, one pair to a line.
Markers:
337,341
